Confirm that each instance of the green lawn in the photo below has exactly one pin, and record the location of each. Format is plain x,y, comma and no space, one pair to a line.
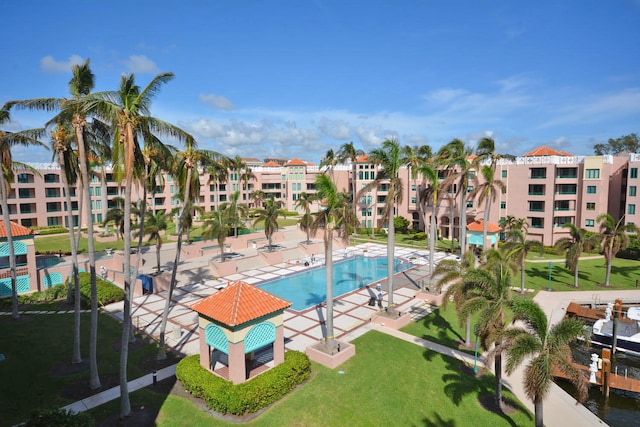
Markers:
388,382
37,348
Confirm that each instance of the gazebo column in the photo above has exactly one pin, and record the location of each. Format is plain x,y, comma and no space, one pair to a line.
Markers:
237,368
278,346
205,351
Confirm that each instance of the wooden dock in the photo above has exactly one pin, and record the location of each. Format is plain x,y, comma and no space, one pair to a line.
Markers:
576,310
618,382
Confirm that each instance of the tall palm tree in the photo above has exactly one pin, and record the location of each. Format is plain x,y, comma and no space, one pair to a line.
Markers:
154,227
217,226
269,215
415,157
456,157
487,291
487,191
449,272
128,111
335,213
389,159
304,202
116,215
74,111
236,210
510,222
186,162
348,152
61,139
329,161
573,246
9,140
545,347
258,197
218,173
519,247
613,238
431,191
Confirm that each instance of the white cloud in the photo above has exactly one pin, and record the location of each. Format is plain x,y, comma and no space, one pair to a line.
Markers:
141,64
218,102
337,129
50,65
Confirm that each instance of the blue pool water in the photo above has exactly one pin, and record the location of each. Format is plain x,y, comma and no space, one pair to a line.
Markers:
308,288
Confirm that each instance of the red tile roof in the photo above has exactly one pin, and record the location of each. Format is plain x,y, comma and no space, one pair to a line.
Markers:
296,162
478,226
362,159
546,151
16,230
271,164
239,303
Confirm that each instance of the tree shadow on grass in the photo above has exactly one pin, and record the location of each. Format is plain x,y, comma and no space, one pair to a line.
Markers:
461,381
624,271
438,421
443,328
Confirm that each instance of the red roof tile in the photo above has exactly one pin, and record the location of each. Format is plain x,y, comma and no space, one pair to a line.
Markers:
362,159
16,230
546,151
239,303
271,164
296,162
478,225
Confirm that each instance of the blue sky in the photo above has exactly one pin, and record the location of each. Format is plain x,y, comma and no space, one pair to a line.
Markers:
295,78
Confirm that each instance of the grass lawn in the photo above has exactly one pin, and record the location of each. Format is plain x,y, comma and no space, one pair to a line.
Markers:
37,372
388,382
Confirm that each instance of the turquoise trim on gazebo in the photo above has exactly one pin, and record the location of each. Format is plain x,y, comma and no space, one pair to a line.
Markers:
216,338
52,279
18,247
22,285
476,239
260,335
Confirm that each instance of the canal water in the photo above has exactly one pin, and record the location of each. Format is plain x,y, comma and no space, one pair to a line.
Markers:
621,409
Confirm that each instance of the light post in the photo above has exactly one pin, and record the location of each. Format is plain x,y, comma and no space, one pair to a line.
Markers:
550,275
475,354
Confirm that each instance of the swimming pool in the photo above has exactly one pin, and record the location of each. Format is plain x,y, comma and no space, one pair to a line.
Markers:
308,288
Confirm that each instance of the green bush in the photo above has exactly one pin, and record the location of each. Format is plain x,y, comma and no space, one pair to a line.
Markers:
421,235
107,291
401,224
224,397
59,418
56,230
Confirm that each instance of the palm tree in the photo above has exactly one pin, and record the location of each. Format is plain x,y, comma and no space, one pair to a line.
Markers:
577,242
389,160
8,140
335,213
546,347
487,192
416,156
116,215
304,202
218,173
184,164
450,272
127,109
487,291
456,157
258,197
236,210
613,238
329,161
348,152
519,247
510,222
217,226
154,227
431,191
269,215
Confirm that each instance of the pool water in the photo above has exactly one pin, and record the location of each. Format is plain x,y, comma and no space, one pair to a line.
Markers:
308,288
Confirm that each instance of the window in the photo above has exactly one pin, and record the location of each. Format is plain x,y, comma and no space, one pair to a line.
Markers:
566,188
589,223
632,190
413,200
503,205
592,174
633,173
504,173
559,221
538,173
536,206
591,189
591,206
360,175
470,189
567,173
469,203
536,189
564,205
537,222
631,210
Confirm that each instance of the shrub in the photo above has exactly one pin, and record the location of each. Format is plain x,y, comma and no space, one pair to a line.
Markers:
59,418
419,236
401,224
107,291
224,397
48,231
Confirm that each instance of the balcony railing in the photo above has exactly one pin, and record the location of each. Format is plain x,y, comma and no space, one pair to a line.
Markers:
5,272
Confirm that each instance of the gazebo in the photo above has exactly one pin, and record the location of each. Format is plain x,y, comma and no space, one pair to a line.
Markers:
475,231
241,331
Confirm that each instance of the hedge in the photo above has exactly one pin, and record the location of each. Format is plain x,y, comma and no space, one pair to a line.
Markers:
107,291
225,397
59,418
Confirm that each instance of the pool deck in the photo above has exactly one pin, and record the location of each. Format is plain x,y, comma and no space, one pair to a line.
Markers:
352,314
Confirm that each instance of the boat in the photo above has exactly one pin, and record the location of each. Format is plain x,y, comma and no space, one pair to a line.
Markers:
628,330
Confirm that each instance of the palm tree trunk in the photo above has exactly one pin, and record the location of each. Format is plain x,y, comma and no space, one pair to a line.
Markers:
390,250
537,404
328,256
12,254
355,190
432,242
467,333
498,377
162,351
609,256
94,379
575,276
463,218
74,282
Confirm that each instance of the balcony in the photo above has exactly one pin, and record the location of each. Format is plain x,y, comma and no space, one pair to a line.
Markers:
5,273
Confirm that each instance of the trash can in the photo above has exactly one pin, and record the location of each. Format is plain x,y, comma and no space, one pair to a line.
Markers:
372,302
